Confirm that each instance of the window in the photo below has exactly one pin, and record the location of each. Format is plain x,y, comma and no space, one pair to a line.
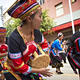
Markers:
73,1
41,2
59,9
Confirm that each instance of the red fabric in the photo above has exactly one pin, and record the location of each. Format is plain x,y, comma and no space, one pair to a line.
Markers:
44,44
2,30
31,47
18,62
3,48
23,69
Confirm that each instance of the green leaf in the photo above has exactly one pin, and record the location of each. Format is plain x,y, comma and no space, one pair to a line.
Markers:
12,24
47,22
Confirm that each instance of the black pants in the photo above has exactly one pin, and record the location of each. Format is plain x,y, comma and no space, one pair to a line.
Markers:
56,61
63,56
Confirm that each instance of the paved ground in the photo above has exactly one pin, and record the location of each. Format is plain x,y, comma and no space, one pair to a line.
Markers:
68,74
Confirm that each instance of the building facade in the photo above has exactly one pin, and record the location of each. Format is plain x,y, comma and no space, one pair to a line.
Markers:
59,11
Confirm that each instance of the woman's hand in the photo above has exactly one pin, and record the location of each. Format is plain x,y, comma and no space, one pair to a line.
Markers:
46,72
43,71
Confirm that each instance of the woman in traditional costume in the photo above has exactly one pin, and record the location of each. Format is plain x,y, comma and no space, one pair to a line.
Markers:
3,50
23,41
54,53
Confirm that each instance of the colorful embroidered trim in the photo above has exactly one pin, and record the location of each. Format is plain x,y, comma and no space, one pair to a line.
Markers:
33,10
28,9
2,30
23,8
45,49
15,55
18,9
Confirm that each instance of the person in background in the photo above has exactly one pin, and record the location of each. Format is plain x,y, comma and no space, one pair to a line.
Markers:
54,53
24,39
63,53
3,50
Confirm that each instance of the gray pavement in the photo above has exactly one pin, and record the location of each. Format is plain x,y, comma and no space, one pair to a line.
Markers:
68,74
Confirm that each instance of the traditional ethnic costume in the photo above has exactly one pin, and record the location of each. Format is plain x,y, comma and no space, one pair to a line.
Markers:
73,54
54,55
20,51
63,53
3,50
19,56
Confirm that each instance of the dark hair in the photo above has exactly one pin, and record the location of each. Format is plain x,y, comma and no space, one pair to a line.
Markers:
24,21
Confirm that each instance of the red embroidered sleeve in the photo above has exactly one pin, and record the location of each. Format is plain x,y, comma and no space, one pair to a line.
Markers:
44,45
19,64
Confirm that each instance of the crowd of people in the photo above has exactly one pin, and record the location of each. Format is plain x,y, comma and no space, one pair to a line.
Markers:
16,52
